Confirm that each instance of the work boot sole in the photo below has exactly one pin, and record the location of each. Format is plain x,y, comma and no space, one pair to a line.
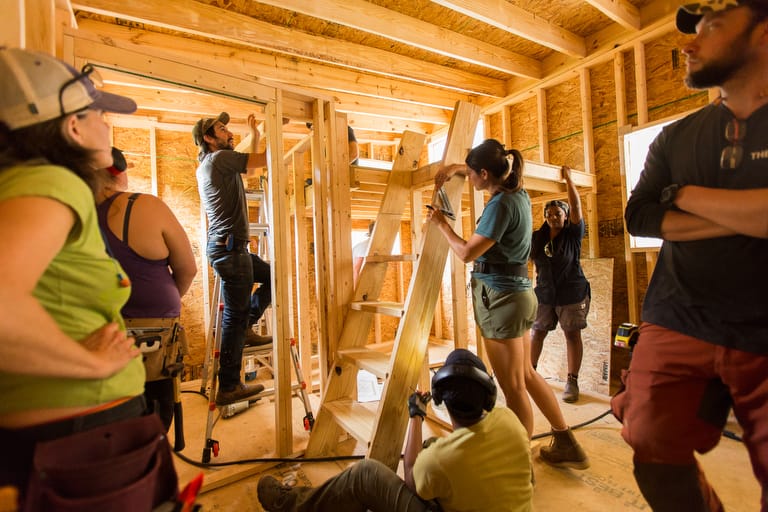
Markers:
570,399
571,464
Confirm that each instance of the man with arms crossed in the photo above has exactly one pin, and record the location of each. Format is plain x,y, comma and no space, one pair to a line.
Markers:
703,341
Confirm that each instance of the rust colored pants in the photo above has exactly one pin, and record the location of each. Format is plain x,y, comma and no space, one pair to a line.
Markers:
679,390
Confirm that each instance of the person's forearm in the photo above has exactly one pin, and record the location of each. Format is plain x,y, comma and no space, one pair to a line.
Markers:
685,227
574,200
412,449
743,211
457,244
183,280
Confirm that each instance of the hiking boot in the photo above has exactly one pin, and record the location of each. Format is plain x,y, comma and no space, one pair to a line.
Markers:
276,497
564,451
254,340
238,394
571,391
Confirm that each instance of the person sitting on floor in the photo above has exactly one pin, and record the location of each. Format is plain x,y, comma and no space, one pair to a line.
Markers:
151,245
484,464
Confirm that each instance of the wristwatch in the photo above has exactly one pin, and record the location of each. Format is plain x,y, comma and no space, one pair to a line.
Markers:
668,194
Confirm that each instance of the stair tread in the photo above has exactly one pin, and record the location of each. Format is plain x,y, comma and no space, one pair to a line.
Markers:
389,308
356,418
387,258
371,360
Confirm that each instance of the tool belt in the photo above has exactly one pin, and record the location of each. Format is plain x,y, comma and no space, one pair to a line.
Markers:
231,243
163,345
124,466
515,269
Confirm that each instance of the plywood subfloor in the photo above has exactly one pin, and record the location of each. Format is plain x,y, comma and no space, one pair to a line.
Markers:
607,486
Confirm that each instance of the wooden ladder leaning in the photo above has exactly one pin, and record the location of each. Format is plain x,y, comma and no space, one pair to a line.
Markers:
382,426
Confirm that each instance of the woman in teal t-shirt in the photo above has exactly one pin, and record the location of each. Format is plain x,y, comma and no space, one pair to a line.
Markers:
66,364
502,297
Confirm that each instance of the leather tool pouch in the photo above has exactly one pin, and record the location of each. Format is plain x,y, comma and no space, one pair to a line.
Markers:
124,466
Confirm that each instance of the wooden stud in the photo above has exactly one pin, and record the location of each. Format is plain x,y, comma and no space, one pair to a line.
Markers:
279,257
541,118
303,331
641,83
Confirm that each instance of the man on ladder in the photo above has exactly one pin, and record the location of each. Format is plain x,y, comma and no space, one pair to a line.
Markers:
223,196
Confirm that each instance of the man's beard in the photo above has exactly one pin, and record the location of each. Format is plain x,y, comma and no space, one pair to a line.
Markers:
717,72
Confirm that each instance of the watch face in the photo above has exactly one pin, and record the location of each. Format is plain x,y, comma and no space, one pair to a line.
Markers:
668,193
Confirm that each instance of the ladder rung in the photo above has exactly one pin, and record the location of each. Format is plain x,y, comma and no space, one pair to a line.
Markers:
354,417
375,362
379,258
252,194
256,228
385,308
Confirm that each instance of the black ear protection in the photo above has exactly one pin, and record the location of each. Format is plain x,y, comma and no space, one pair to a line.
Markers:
560,204
465,371
119,165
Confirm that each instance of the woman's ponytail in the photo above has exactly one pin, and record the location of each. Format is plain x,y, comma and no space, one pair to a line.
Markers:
514,180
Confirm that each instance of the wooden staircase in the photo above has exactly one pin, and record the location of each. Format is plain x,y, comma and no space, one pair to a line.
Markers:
382,426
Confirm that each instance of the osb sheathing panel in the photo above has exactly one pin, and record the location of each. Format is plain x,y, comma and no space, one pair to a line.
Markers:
573,15
422,9
524,130
596,337
603,94
494,127
566,140
667,95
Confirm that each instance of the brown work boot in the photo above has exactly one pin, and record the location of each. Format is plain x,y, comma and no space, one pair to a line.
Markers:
564,451
571,391
238,394
277,497
254,340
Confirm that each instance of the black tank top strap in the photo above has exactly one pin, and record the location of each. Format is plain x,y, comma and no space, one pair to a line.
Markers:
127,217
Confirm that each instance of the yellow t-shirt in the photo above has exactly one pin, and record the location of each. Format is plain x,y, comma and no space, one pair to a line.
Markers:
485,467
79,289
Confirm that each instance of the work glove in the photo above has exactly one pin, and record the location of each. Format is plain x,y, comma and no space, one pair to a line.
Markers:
417,404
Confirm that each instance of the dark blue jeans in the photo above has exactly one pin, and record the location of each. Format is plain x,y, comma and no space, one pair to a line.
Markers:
239,271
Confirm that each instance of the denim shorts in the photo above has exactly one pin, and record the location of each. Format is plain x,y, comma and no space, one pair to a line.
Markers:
572,317
502,315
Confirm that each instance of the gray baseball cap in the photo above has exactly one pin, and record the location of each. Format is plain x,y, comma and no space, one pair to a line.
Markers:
204,124
37,87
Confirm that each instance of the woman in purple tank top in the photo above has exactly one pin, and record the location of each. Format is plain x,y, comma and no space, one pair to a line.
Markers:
143,234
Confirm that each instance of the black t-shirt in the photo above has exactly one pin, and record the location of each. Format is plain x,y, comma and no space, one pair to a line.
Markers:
559,278
223,195
714,289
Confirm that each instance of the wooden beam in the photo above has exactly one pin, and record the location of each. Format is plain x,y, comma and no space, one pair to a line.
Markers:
357,104
151,63
560,68
12,24
383,22
510,18
224,25
40,26
282,69
620,11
